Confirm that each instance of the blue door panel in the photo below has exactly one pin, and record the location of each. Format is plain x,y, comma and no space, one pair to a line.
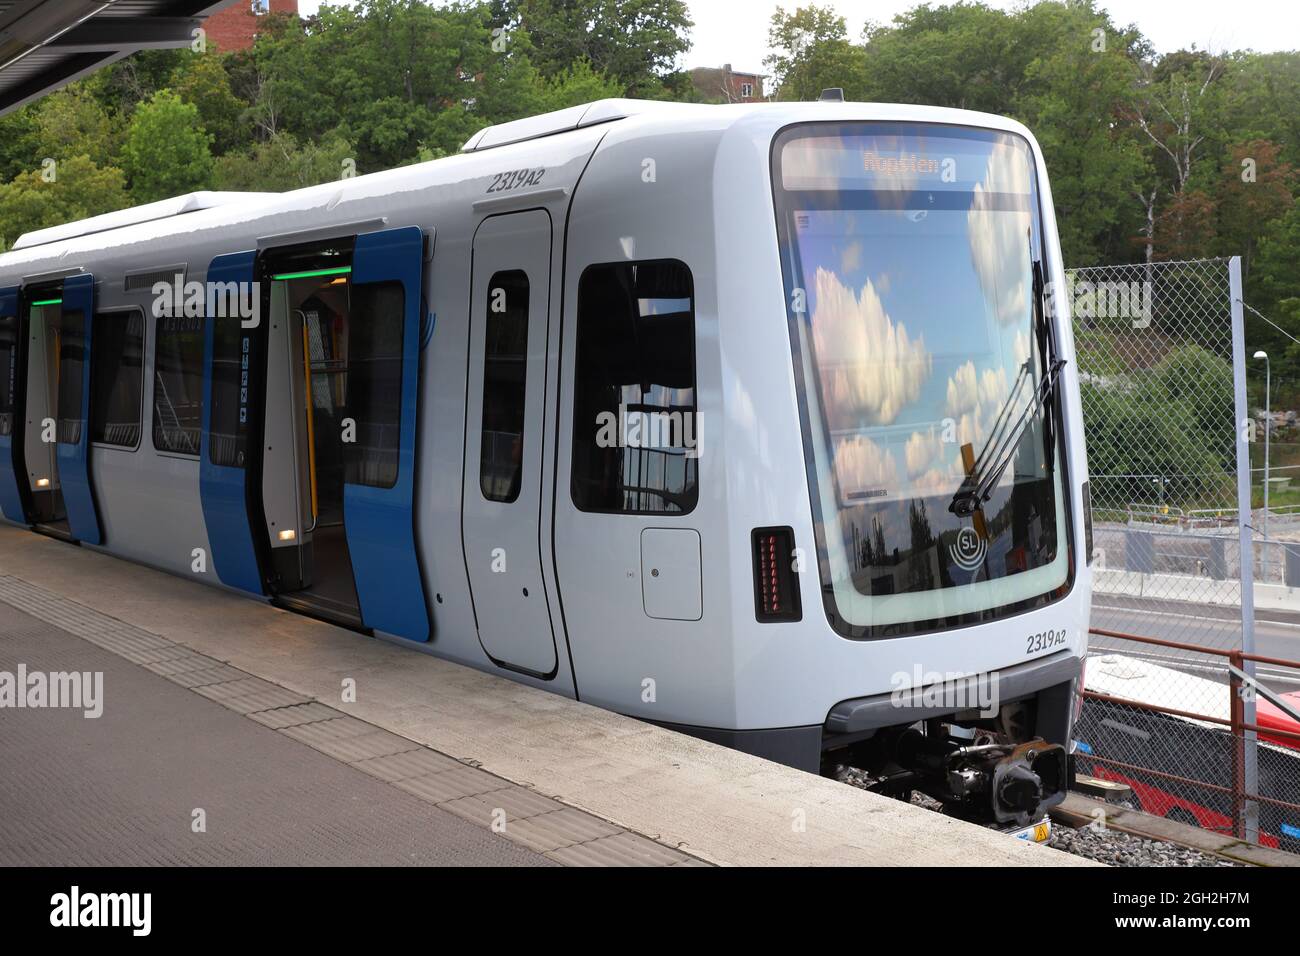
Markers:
11,501
380,522
74,457
222,488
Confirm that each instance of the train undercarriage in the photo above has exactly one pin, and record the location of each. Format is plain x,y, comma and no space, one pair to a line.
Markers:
986,771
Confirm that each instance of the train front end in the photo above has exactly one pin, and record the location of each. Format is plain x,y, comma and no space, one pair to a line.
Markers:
932,600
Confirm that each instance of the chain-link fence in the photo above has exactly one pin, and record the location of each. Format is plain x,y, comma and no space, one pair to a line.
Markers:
1158,347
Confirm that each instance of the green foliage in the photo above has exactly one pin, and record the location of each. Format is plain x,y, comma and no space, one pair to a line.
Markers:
203,81
18,151
80,189
282,163
577,85
167,150
1255,188
1129,441
1198,384
636,43
71,122
811,52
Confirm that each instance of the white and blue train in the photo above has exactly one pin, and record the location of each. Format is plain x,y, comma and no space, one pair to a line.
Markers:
759,422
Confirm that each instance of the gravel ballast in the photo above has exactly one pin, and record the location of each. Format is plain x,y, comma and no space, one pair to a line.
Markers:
1109,846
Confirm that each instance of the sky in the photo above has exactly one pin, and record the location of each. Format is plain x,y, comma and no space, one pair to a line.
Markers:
735,31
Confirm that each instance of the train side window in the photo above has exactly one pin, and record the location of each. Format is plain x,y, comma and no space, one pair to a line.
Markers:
505,364
178,384
635,426
72,349
117,380
228,418
8,355
375,383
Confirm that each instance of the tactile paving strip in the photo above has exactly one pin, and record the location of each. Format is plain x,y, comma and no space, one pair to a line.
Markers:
565,834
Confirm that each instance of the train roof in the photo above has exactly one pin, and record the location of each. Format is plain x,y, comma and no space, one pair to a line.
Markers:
149,212
559,135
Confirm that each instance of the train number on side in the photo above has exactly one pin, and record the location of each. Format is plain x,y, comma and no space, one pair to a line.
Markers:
1044,641
516,179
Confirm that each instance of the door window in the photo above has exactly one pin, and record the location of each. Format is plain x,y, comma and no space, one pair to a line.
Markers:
505,363
375,382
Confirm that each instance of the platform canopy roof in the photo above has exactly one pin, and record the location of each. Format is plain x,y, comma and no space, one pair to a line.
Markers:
45,44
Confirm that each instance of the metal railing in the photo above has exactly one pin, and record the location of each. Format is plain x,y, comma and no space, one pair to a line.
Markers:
1181,740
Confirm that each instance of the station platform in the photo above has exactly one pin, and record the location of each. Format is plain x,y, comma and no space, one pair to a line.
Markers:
217,703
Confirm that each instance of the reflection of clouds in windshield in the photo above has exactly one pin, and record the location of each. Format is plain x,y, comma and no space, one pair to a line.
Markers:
870,367
974,401
922,450
1020,348
851,259
935,481
862,466
999,239
932,465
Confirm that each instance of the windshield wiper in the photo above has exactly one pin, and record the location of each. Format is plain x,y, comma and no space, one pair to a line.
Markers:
1004,438
1001,447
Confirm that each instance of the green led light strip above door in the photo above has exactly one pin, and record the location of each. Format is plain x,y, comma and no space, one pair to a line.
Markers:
340,271
49,302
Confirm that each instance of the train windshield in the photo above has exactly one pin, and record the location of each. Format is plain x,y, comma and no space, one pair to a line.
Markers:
913,266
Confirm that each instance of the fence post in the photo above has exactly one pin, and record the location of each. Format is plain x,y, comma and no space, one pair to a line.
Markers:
1247,815
1236,714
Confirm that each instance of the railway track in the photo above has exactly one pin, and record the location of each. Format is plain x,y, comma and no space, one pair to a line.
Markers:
1111,828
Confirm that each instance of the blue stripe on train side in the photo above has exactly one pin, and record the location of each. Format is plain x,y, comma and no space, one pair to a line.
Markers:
11,501
380,522
74,457
221,487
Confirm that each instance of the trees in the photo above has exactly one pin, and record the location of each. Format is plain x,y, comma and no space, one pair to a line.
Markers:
79,189
1073,96
635,43
167,150
1255,188
811,52
201,79
72,122
282,163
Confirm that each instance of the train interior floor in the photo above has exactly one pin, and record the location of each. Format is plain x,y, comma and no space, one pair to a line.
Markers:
217,703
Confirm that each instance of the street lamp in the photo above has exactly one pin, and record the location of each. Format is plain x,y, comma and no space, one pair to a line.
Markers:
1268,427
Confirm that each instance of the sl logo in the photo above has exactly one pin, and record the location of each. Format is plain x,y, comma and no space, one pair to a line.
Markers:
968,550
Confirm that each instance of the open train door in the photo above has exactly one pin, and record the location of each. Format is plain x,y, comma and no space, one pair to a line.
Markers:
12,383
230,412
379,463
72,445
